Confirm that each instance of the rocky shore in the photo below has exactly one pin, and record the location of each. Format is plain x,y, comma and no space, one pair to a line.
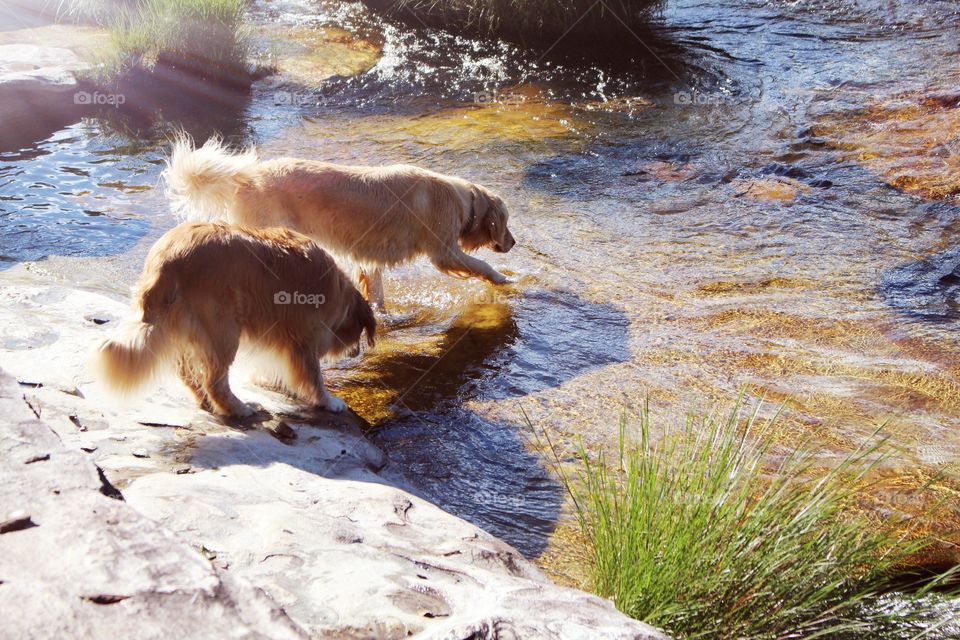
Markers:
41,77
152,519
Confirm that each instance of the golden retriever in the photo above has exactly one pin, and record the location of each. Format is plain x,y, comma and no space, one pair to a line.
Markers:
207,287
375,217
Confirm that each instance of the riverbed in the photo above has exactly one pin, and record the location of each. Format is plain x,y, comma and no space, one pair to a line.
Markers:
726,203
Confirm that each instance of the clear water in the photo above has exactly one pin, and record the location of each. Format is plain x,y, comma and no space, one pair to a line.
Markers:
642,269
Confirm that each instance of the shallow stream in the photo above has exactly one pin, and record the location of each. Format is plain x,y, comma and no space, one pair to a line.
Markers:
713,211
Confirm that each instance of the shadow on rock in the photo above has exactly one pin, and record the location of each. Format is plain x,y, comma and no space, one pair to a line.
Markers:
469,464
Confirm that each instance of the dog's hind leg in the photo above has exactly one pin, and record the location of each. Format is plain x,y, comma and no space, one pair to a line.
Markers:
306,379
222,399
189,373
217,356
457,263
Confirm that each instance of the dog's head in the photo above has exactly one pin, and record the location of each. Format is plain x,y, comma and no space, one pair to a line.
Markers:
357,319
487,226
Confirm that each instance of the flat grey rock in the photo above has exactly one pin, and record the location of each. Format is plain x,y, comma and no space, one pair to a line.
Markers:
87,565
30,64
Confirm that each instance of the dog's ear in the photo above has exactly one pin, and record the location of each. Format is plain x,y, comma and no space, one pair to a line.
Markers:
496,222
480,206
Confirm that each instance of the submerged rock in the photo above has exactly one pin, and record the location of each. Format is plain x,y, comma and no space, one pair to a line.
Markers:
308,57
780,189
911,141
290,527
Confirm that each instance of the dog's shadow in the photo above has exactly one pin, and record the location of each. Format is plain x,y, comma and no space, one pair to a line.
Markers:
331,445
476,466
414,406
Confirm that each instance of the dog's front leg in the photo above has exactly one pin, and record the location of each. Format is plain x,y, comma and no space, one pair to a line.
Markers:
306,378
373,287
466,266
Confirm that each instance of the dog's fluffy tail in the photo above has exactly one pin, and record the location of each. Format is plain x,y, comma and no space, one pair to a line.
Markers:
144,346
130,359
201,181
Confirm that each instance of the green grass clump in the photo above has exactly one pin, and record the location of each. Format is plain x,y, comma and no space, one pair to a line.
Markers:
207,38
538,21
699,535
96,11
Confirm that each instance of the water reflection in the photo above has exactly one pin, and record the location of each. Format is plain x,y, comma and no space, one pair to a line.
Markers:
76,193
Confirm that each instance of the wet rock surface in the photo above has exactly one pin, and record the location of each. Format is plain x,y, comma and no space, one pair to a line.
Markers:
39,86
158,517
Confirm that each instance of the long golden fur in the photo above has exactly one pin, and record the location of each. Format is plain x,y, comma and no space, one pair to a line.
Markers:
376,217
207,287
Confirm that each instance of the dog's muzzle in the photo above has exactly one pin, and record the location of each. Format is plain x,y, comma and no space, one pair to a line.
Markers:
503,248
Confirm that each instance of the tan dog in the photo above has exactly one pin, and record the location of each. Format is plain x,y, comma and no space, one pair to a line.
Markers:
376,217
205,287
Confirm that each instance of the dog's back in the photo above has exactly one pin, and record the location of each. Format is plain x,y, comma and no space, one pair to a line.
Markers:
373,215
207,286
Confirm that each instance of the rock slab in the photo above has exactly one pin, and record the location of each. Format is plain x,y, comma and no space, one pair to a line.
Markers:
275,530
77,563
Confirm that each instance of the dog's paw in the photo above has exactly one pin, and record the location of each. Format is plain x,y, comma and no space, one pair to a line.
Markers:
234,415
334,404
242,410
